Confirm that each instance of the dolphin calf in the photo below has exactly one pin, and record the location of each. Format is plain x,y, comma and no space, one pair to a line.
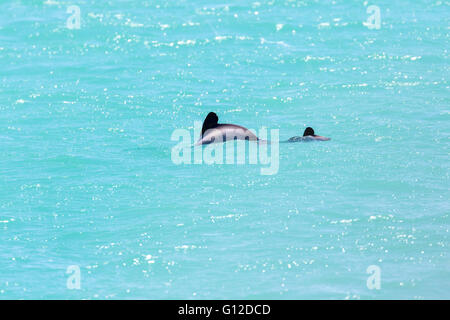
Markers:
308,135
213,132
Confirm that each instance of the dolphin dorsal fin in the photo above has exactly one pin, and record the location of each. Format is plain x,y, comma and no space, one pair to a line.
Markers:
210,122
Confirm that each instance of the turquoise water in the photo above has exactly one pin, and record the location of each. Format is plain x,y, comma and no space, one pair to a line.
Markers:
87,179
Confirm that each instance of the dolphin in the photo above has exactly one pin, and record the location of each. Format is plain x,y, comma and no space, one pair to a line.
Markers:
308,135
213,132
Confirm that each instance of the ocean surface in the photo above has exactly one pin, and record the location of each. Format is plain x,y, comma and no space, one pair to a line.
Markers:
88,182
